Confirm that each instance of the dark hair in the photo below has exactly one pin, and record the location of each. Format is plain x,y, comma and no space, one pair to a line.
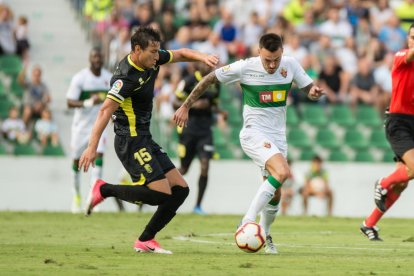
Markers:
143,36
95,49
411,27
317,158
271,42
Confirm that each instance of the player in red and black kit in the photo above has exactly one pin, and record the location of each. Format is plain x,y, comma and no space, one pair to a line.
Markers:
129,102
399,128
197,137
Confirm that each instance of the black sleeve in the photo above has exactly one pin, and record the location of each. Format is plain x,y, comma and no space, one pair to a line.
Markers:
165,57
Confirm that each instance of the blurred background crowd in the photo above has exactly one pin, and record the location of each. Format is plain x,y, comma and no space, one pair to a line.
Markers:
346,46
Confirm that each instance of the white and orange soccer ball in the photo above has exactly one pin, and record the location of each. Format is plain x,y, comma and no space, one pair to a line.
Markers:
250,237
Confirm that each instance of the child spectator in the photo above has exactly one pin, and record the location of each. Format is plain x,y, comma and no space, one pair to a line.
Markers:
46,129
14,129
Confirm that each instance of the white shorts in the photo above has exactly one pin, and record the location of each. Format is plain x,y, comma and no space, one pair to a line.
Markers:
260,146
80,141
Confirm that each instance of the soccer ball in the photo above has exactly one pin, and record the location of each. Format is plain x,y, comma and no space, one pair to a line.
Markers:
250,237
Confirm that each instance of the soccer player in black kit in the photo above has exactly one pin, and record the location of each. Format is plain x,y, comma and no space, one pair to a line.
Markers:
197,137
129,102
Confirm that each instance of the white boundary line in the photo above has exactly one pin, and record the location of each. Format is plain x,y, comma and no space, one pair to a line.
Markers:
314,246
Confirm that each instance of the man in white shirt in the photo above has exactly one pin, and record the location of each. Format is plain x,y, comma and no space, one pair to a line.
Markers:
265,81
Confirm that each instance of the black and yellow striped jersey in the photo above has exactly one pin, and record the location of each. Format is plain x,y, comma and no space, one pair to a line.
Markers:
133,88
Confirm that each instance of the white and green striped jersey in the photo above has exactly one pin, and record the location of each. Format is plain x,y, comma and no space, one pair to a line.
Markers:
264,94
83,85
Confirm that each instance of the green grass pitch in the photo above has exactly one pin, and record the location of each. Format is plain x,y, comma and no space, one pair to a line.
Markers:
37,243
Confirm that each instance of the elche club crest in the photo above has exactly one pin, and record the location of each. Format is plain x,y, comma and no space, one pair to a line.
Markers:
283,72
267,145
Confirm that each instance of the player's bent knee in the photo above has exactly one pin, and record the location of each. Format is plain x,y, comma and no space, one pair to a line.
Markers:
157,198
180,193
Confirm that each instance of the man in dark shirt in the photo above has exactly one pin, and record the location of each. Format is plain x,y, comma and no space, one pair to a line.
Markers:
197,137
129,102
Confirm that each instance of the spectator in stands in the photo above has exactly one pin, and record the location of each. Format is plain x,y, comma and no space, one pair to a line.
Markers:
307,30
22,39
336,28
142,16
320,50
119,47
382,76
214,46
46,129
405,12
294,48
334,81
96,11
37,95
363,88
167,27
251,32
7,39
229,33
13,128
294,11
198,23
379,13
392,35
317,184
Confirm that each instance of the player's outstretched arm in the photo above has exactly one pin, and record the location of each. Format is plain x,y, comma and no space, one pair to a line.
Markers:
181,115
89,155
314,92
185,54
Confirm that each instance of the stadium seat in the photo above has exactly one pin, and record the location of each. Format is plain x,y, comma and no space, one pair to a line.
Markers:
388,156
5,105
50,150
363,156
379,140
338,156
292,118
297,137
225,153
16,89
3,150
26,149
218,138
10,64
368,115
355,139
327,138
307,154
342,115
314,114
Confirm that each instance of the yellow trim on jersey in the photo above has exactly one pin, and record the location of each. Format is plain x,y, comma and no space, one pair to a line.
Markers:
171,56
133,64
129,112
114,99
198,75
141,181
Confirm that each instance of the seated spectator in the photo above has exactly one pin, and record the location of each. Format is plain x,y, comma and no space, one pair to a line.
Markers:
14,129
7,39
316,184
334,81
46,129
36,97
119,47
22,39
336,28
392,35
382,76
363,88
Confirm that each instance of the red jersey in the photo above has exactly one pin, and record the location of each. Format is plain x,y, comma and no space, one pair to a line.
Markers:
402,99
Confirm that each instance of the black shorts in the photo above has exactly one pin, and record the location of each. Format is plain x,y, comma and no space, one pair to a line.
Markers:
143,159
190,145
399,129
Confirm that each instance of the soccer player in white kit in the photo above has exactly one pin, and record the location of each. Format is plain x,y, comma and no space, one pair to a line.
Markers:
86,93
265,81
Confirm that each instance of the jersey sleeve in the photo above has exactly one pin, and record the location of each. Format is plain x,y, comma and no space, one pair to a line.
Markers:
75,88
399,58
165,57
120,90
230,73
300,77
